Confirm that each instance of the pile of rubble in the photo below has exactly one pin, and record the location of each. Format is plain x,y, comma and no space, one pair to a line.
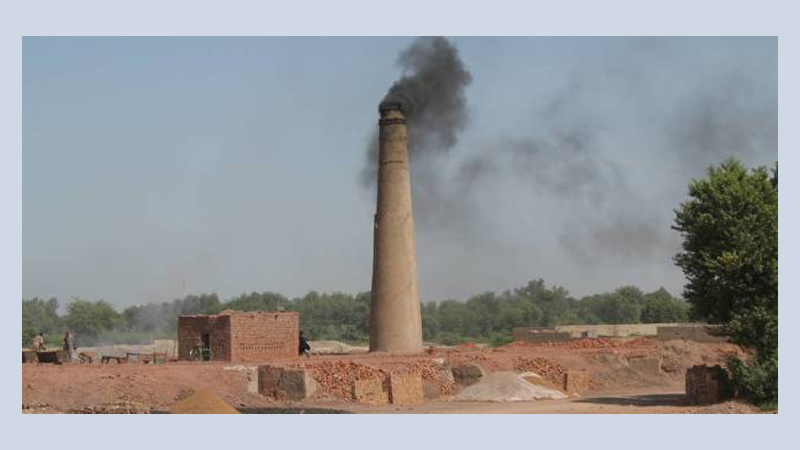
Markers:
438,374
541,366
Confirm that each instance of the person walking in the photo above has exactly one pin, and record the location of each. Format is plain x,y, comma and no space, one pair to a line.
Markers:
305,349
69,345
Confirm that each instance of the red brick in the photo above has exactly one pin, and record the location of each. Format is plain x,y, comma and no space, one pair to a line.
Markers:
241,336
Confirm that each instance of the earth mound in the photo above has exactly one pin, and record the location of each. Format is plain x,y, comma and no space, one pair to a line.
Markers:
203,402
506,387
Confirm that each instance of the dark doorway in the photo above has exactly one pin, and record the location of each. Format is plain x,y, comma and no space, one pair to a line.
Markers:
206,346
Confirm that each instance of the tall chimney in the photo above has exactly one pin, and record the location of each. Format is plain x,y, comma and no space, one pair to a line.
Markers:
395,324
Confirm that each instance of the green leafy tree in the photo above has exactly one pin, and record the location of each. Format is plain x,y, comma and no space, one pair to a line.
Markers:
730,259
39,316
264,301
88,319
200,304
661,307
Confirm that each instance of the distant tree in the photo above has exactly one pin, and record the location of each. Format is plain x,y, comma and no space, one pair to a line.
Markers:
39,316
88,319
200,304
729,227
621,306
661,307
264,301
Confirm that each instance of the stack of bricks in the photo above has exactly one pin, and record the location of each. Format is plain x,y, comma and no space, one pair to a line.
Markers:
398,389
576,381
370,392
406,388
706,385
285,383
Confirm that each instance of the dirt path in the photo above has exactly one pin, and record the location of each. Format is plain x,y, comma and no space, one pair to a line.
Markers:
656,400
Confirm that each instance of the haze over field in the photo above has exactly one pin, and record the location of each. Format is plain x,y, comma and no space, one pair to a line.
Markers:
157,165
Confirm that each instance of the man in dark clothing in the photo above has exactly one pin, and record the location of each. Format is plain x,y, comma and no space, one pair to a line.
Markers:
305,349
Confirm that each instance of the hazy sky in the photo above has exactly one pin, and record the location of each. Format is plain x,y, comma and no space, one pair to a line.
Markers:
232,164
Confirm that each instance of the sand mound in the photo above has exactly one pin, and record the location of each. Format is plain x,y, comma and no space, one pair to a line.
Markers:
203,402
506,387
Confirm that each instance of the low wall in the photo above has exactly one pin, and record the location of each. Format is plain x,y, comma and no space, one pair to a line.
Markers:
690,332
664,331
539,335
620,330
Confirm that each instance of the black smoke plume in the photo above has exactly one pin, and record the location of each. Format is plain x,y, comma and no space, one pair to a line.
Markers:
431,95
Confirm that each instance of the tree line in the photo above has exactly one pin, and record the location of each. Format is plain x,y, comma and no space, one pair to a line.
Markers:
487,317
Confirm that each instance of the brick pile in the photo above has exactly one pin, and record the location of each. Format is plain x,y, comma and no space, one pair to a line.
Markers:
589,343
370,392
542,366
434,374
337,378
706,385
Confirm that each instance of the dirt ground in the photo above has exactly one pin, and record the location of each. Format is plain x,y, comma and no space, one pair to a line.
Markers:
616,387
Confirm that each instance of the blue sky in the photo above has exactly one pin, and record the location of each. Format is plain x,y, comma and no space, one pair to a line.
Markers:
231,164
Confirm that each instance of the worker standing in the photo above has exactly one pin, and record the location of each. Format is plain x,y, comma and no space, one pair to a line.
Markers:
38,342
69,345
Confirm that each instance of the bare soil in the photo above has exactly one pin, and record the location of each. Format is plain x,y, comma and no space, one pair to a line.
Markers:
615,386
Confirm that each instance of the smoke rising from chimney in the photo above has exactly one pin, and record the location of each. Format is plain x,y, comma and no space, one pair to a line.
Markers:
572,155
431,95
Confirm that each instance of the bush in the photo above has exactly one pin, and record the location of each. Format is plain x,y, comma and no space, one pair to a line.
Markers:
756,382
500,339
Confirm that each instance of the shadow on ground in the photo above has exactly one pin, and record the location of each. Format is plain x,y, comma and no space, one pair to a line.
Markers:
276,410
639,400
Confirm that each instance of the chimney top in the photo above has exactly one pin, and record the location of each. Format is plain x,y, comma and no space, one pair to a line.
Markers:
390,105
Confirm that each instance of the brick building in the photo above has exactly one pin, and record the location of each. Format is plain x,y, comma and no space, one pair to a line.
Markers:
238,336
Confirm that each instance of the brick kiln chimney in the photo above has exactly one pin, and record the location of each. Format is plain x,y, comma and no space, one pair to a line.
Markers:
395,323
